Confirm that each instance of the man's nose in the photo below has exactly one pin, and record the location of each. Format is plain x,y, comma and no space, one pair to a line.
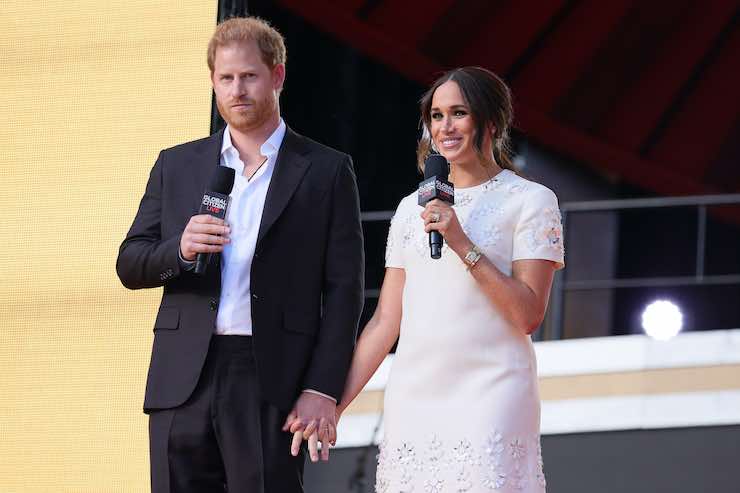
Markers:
238,88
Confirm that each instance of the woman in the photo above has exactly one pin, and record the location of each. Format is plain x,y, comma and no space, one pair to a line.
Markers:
462,408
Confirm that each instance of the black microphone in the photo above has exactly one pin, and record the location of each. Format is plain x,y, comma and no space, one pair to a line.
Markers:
215,202
436,186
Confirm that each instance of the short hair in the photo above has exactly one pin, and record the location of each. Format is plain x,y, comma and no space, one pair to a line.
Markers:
490,102
240,29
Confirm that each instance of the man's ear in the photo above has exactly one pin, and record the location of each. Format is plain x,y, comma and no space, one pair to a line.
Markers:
278,76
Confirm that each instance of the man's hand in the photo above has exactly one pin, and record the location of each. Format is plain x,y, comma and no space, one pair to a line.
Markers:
313,418
203,234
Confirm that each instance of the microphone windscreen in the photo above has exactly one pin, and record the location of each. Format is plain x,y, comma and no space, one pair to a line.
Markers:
222,180
436,165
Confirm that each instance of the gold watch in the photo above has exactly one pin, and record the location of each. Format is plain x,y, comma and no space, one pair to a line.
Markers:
472,257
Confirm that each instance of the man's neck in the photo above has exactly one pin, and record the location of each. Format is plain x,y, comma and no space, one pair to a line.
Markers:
248,143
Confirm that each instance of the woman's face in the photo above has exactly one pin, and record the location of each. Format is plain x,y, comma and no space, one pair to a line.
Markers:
452,126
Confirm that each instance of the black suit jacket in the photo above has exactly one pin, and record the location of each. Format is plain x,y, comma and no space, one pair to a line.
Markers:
306,276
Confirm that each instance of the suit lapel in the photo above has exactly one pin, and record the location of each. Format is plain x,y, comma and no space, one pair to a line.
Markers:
204,162
290,166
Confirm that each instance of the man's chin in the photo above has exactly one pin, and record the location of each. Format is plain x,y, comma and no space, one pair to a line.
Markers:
242,124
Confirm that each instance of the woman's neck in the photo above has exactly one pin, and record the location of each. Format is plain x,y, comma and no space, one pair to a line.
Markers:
466,175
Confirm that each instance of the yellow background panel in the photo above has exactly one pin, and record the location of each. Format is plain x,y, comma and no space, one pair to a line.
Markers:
90,92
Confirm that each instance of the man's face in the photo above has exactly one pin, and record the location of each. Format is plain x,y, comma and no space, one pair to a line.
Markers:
246,89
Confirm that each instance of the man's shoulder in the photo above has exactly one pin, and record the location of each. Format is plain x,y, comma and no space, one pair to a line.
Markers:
195,146
309,146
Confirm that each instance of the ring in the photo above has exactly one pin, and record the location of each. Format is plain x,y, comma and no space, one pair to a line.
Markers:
434,217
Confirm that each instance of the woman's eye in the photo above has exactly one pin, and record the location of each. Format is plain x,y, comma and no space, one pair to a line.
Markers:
436,116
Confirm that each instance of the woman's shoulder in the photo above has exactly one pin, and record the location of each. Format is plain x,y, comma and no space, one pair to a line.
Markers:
529,190
408,203
406,207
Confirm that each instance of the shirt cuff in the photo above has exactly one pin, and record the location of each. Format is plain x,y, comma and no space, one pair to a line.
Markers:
312,391
185,264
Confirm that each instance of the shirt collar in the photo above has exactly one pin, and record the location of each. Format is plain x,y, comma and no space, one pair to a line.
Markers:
270,147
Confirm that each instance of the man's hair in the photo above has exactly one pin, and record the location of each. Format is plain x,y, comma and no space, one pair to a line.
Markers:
244,29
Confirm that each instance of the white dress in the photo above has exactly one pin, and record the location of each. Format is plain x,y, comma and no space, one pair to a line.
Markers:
462,409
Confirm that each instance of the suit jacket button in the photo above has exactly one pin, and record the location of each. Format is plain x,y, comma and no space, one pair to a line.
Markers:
213,304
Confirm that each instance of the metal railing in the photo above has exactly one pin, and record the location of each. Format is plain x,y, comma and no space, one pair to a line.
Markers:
553,325
554,321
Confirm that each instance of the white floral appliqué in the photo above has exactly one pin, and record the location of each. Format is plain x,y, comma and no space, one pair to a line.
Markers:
547,232
498,462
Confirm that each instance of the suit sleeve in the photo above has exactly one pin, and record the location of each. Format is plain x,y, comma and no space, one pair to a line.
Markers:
145,259
343,290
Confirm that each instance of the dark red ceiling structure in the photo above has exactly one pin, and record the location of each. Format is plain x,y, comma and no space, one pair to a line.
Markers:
644,91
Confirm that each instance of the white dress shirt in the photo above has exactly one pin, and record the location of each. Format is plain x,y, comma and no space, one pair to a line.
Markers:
243,216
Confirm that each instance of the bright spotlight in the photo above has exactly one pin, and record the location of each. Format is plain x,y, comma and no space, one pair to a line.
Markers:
662,320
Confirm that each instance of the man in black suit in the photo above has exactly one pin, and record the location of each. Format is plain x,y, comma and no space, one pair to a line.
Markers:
271,326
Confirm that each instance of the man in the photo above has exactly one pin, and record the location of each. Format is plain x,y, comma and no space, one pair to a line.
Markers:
271,325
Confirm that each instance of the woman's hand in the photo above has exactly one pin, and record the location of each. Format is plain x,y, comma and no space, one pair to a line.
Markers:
440,216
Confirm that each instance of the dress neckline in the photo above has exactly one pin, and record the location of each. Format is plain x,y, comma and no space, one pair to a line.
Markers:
491,181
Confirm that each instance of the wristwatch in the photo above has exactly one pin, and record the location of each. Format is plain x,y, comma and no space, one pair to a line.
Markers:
472,257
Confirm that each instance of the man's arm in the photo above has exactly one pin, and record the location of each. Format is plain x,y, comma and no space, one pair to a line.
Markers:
342,304
342,290
145,260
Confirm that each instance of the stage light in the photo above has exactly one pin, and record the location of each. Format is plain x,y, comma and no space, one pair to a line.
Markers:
662,320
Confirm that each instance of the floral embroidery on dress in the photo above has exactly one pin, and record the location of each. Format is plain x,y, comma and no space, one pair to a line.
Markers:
482,226
381,475
435,463
547,232
390,243
493,448
433,485
496,463
479,218
539,473
517,187
464,453
463,483
518,451
463,199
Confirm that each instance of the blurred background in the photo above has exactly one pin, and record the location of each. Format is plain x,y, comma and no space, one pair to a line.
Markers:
626,109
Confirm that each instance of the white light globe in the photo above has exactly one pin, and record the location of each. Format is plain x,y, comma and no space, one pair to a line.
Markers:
662,320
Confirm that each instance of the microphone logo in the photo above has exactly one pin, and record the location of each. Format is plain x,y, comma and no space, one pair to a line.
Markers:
434,188
213,204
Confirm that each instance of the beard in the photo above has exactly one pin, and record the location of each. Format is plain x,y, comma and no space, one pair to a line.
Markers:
252,117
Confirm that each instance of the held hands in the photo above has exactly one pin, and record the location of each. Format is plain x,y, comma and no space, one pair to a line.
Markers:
440,216
203,234
313,418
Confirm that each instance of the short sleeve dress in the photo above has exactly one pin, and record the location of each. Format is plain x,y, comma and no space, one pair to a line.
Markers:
462,409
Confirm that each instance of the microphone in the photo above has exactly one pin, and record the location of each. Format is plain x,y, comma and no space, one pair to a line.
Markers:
215,201
436,186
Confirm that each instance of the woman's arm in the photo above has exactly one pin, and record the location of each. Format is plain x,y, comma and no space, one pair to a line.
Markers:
377,338
521,298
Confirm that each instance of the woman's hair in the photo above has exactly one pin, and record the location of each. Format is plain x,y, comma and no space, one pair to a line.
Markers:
489,101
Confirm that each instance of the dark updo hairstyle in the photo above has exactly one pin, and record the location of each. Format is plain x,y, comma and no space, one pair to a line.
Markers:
489,101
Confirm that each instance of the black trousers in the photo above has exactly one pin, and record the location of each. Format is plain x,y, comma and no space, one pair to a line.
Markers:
224,438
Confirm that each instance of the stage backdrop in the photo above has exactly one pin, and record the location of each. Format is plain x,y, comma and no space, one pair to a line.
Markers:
90,91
